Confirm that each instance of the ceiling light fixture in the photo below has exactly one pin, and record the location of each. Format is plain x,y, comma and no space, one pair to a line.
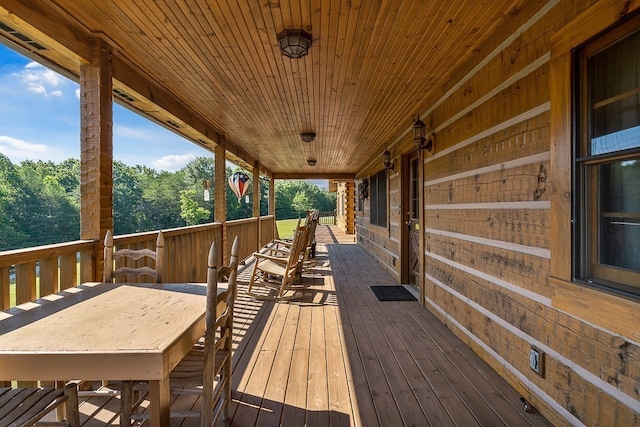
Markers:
308,136
294,43
312,162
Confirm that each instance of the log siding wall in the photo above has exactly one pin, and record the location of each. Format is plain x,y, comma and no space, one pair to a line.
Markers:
491,229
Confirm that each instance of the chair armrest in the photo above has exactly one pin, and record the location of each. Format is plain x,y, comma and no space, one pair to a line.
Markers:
258,255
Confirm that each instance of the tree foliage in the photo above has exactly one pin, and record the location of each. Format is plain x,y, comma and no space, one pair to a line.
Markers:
40,201
189,209
295,197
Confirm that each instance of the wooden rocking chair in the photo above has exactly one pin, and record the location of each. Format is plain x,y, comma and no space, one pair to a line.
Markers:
278,269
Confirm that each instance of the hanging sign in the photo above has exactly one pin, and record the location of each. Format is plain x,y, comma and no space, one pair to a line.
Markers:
239,183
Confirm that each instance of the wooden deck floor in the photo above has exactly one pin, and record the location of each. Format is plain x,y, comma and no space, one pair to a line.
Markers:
340,357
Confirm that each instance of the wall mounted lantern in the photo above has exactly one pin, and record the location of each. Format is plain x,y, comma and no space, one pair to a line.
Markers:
386,161
294,43
420,138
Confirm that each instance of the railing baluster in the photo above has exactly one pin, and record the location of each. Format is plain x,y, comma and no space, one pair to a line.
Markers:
5,283
48,271
26,282
68,271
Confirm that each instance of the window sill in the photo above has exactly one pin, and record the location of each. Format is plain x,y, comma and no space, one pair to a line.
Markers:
617,314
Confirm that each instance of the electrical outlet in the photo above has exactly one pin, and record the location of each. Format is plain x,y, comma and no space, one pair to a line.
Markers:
536,361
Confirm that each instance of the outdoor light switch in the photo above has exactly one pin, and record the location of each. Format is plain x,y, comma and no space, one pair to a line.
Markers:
536,361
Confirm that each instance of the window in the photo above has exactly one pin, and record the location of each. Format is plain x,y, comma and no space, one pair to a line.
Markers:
378,197
359,197
607,161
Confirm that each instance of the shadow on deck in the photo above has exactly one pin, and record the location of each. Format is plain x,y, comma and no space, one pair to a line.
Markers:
340,357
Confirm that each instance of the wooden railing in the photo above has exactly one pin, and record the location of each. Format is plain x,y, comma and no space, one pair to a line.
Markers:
31,273
44,270
327,218
268,229
247,229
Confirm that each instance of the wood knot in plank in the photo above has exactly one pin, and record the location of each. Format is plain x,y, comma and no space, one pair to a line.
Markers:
542,183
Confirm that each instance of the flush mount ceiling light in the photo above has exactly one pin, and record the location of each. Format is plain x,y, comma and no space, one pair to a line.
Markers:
294,43
307,136
312,162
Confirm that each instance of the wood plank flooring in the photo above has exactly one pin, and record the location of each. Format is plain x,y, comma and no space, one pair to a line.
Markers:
340,357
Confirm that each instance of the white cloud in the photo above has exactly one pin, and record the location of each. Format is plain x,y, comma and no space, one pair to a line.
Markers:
173,162
18,150
41,80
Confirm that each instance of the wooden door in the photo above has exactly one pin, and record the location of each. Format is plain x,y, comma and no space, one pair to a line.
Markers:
412,220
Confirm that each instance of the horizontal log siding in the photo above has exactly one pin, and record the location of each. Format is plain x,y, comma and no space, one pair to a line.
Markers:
375,240
487,236
492,187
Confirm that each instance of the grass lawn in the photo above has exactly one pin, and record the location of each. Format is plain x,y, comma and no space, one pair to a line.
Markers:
286,227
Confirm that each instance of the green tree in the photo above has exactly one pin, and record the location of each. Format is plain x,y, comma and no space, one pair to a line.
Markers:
161,196
67,174
12,235
189,209
294,197
195,173
128,204
301,202
50,214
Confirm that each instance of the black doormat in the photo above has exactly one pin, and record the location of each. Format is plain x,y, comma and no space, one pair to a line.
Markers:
392,293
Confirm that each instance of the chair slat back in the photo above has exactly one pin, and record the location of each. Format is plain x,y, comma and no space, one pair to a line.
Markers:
219,321
122,255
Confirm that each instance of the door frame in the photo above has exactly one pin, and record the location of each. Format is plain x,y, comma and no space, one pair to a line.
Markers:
405,239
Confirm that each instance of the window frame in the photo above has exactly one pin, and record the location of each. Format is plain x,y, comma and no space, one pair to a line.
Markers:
378,203
587,267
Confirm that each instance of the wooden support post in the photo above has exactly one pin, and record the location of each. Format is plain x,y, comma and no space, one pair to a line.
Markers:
256,202
220,194
96,148
272,196
272,204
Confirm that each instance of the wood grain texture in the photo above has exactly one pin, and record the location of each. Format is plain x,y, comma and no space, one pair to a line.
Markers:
216,68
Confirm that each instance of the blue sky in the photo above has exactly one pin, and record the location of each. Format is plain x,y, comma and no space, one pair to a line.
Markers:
40,120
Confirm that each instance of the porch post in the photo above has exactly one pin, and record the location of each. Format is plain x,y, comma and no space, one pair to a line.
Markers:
256,202
96,153
272,204
272,196
220,193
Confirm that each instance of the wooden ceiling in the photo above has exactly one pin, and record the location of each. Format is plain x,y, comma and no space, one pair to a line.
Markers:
216,67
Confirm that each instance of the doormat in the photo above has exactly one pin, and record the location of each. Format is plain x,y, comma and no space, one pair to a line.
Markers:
392,293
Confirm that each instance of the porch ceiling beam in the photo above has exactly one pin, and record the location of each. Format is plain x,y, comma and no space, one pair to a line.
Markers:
68,46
